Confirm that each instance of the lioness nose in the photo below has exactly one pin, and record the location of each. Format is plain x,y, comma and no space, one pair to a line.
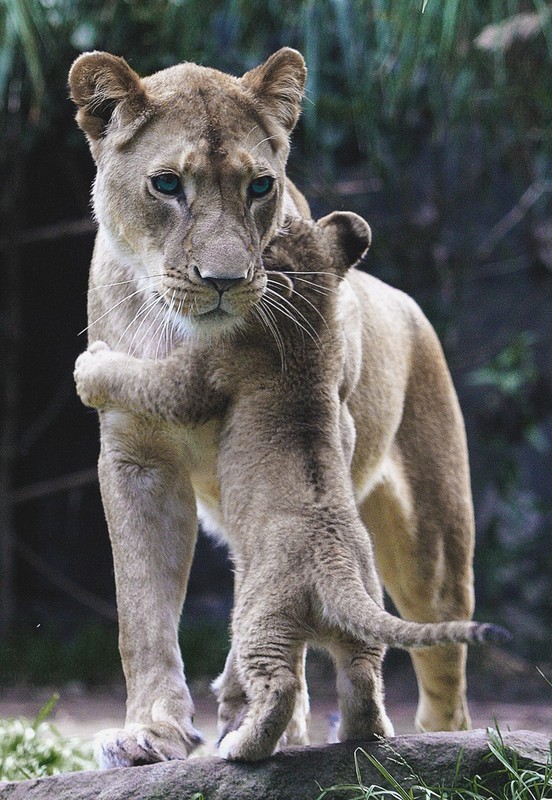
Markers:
222,283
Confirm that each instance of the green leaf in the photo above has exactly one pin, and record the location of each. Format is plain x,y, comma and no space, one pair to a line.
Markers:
46,710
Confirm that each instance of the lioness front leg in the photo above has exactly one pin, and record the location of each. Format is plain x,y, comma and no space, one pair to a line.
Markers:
150,510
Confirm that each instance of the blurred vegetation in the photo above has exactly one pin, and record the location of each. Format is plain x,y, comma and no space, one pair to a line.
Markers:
434,125
35,748
91,656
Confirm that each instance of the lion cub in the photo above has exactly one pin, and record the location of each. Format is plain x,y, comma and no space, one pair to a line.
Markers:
304,563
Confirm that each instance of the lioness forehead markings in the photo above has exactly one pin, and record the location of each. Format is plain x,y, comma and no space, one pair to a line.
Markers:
212,130
224,121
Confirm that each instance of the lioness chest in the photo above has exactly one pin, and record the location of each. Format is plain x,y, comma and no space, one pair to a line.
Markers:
202,445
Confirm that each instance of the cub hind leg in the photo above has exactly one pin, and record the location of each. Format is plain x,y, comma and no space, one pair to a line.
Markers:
231,697
360,690
423,538
232,701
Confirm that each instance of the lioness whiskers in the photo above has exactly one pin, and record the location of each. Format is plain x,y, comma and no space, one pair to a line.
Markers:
144,307
109,310
158,301
162,331
318,287
122,283
270,300
310,303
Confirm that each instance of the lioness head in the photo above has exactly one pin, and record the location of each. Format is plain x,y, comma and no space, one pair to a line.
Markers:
190,182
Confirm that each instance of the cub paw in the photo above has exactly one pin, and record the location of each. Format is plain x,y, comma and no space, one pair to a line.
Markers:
229,747
241,746
91,372
99,347
137,745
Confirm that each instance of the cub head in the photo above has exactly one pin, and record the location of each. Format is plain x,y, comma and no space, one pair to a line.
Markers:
304,264
190,184
317,253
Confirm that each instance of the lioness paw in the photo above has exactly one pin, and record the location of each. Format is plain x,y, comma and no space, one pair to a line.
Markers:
136,745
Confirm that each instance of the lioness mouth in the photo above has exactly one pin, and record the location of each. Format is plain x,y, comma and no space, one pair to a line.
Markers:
214,312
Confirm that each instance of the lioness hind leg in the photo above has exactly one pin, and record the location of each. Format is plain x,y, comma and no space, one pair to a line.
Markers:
442,705
360,690
424,559
150,509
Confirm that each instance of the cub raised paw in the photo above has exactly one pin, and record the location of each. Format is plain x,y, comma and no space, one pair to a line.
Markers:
94,370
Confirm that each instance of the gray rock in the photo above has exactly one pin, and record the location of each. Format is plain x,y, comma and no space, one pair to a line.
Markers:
294,774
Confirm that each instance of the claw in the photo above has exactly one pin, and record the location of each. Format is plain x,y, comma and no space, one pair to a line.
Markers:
136,745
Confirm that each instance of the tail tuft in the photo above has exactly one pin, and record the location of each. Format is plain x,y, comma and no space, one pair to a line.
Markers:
492,634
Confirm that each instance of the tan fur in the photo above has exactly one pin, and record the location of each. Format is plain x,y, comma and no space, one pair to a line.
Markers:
153,285
304,564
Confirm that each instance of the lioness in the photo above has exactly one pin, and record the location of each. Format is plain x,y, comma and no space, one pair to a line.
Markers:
303,559
190,189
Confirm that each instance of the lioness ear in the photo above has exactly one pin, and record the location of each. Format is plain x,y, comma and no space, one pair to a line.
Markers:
351,236
278,85
103,85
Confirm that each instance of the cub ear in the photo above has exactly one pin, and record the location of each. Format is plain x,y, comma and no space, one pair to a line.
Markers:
278,85
103,86
351,237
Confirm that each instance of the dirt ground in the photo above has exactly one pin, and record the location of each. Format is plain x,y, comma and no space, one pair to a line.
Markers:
503,691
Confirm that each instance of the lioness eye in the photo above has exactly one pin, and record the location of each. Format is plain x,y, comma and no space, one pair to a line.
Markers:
261,186
167,183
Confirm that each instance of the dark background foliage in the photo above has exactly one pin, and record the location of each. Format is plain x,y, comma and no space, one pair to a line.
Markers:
435,126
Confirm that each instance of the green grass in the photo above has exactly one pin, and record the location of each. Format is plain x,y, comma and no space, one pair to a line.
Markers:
35,748
509,781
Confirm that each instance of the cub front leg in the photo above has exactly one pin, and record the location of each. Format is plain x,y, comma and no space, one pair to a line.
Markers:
99,375
176,389
150,510
269,670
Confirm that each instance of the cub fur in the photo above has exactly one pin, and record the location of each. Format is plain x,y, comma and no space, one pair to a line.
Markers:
190,189
303,559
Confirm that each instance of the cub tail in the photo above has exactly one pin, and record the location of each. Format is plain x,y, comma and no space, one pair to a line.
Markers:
396,632
351,609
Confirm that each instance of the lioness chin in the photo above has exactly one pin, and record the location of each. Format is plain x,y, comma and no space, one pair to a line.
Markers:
190,189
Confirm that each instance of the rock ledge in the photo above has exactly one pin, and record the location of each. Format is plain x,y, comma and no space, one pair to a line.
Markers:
294,774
